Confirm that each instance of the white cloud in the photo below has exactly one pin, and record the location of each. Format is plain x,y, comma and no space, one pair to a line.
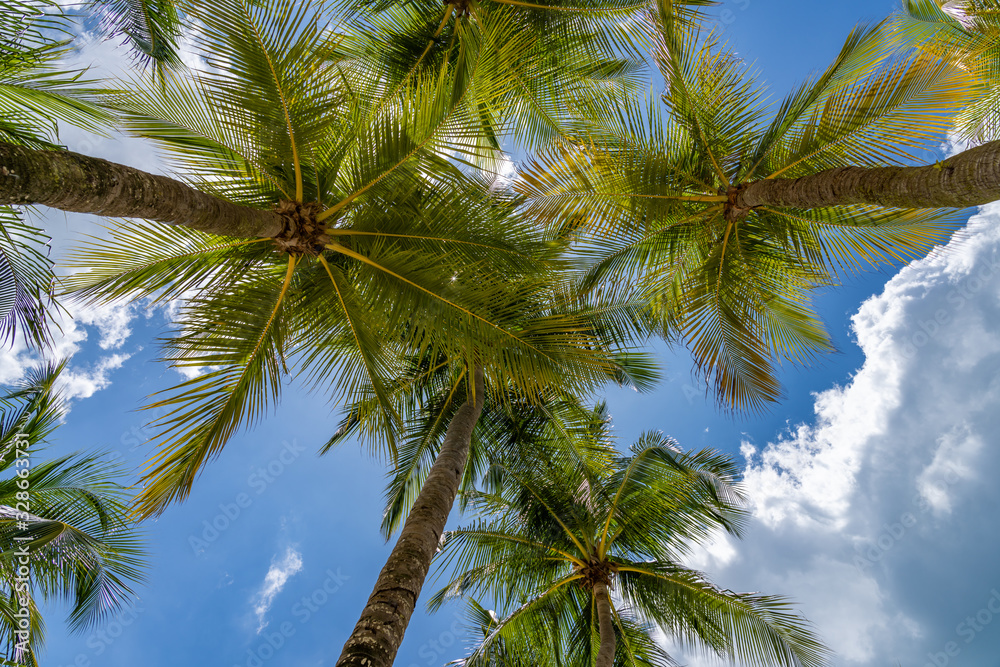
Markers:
84,383
505,172
274,581
878,517
70,334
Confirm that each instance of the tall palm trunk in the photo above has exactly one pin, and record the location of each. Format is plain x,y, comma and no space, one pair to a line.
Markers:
73,182
971,178
379,632
606,654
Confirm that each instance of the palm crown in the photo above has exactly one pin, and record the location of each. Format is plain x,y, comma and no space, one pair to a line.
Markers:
555,537
388,247
654,192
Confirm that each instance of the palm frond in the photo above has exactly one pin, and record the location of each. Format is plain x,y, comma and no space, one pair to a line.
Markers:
151,28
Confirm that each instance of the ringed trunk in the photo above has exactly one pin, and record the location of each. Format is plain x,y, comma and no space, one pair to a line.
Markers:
81,184
971,178
606,654
379,632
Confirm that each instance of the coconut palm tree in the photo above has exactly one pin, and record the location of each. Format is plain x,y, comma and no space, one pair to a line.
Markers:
725,212
438,460
553,543
379,232
64,528
966,34
355,240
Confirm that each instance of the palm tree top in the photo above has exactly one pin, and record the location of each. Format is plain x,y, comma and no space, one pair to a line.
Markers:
663,195
385,242
556,537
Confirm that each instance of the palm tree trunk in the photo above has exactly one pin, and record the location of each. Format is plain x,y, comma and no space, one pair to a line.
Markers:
377,636
971,178
73,182
606,654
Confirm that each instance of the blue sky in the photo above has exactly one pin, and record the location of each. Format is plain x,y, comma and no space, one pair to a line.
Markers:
873,481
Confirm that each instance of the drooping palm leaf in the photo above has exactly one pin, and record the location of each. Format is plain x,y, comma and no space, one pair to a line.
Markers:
151,27
651,192
964,35
66,517
555,527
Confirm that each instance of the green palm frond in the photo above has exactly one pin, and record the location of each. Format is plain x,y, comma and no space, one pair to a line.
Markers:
555,527
66,516
649,194
243,333
37,91
25,280
751,629
529,63
878,120
151,27
965,36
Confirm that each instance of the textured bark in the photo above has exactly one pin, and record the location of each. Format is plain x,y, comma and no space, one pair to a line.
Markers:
606,654
73,182
971,178
377,636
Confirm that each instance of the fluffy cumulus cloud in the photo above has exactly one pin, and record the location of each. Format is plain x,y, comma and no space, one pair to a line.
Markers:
274,582
72,330
879,516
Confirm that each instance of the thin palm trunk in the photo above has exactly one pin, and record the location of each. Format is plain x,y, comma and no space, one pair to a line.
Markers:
971,178
81,184
606,654
379,632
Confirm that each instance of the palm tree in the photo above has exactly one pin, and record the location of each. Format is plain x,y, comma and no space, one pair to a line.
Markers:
437,399
965,34
355,240
510,430
64,528
726,215
382,235
557,539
